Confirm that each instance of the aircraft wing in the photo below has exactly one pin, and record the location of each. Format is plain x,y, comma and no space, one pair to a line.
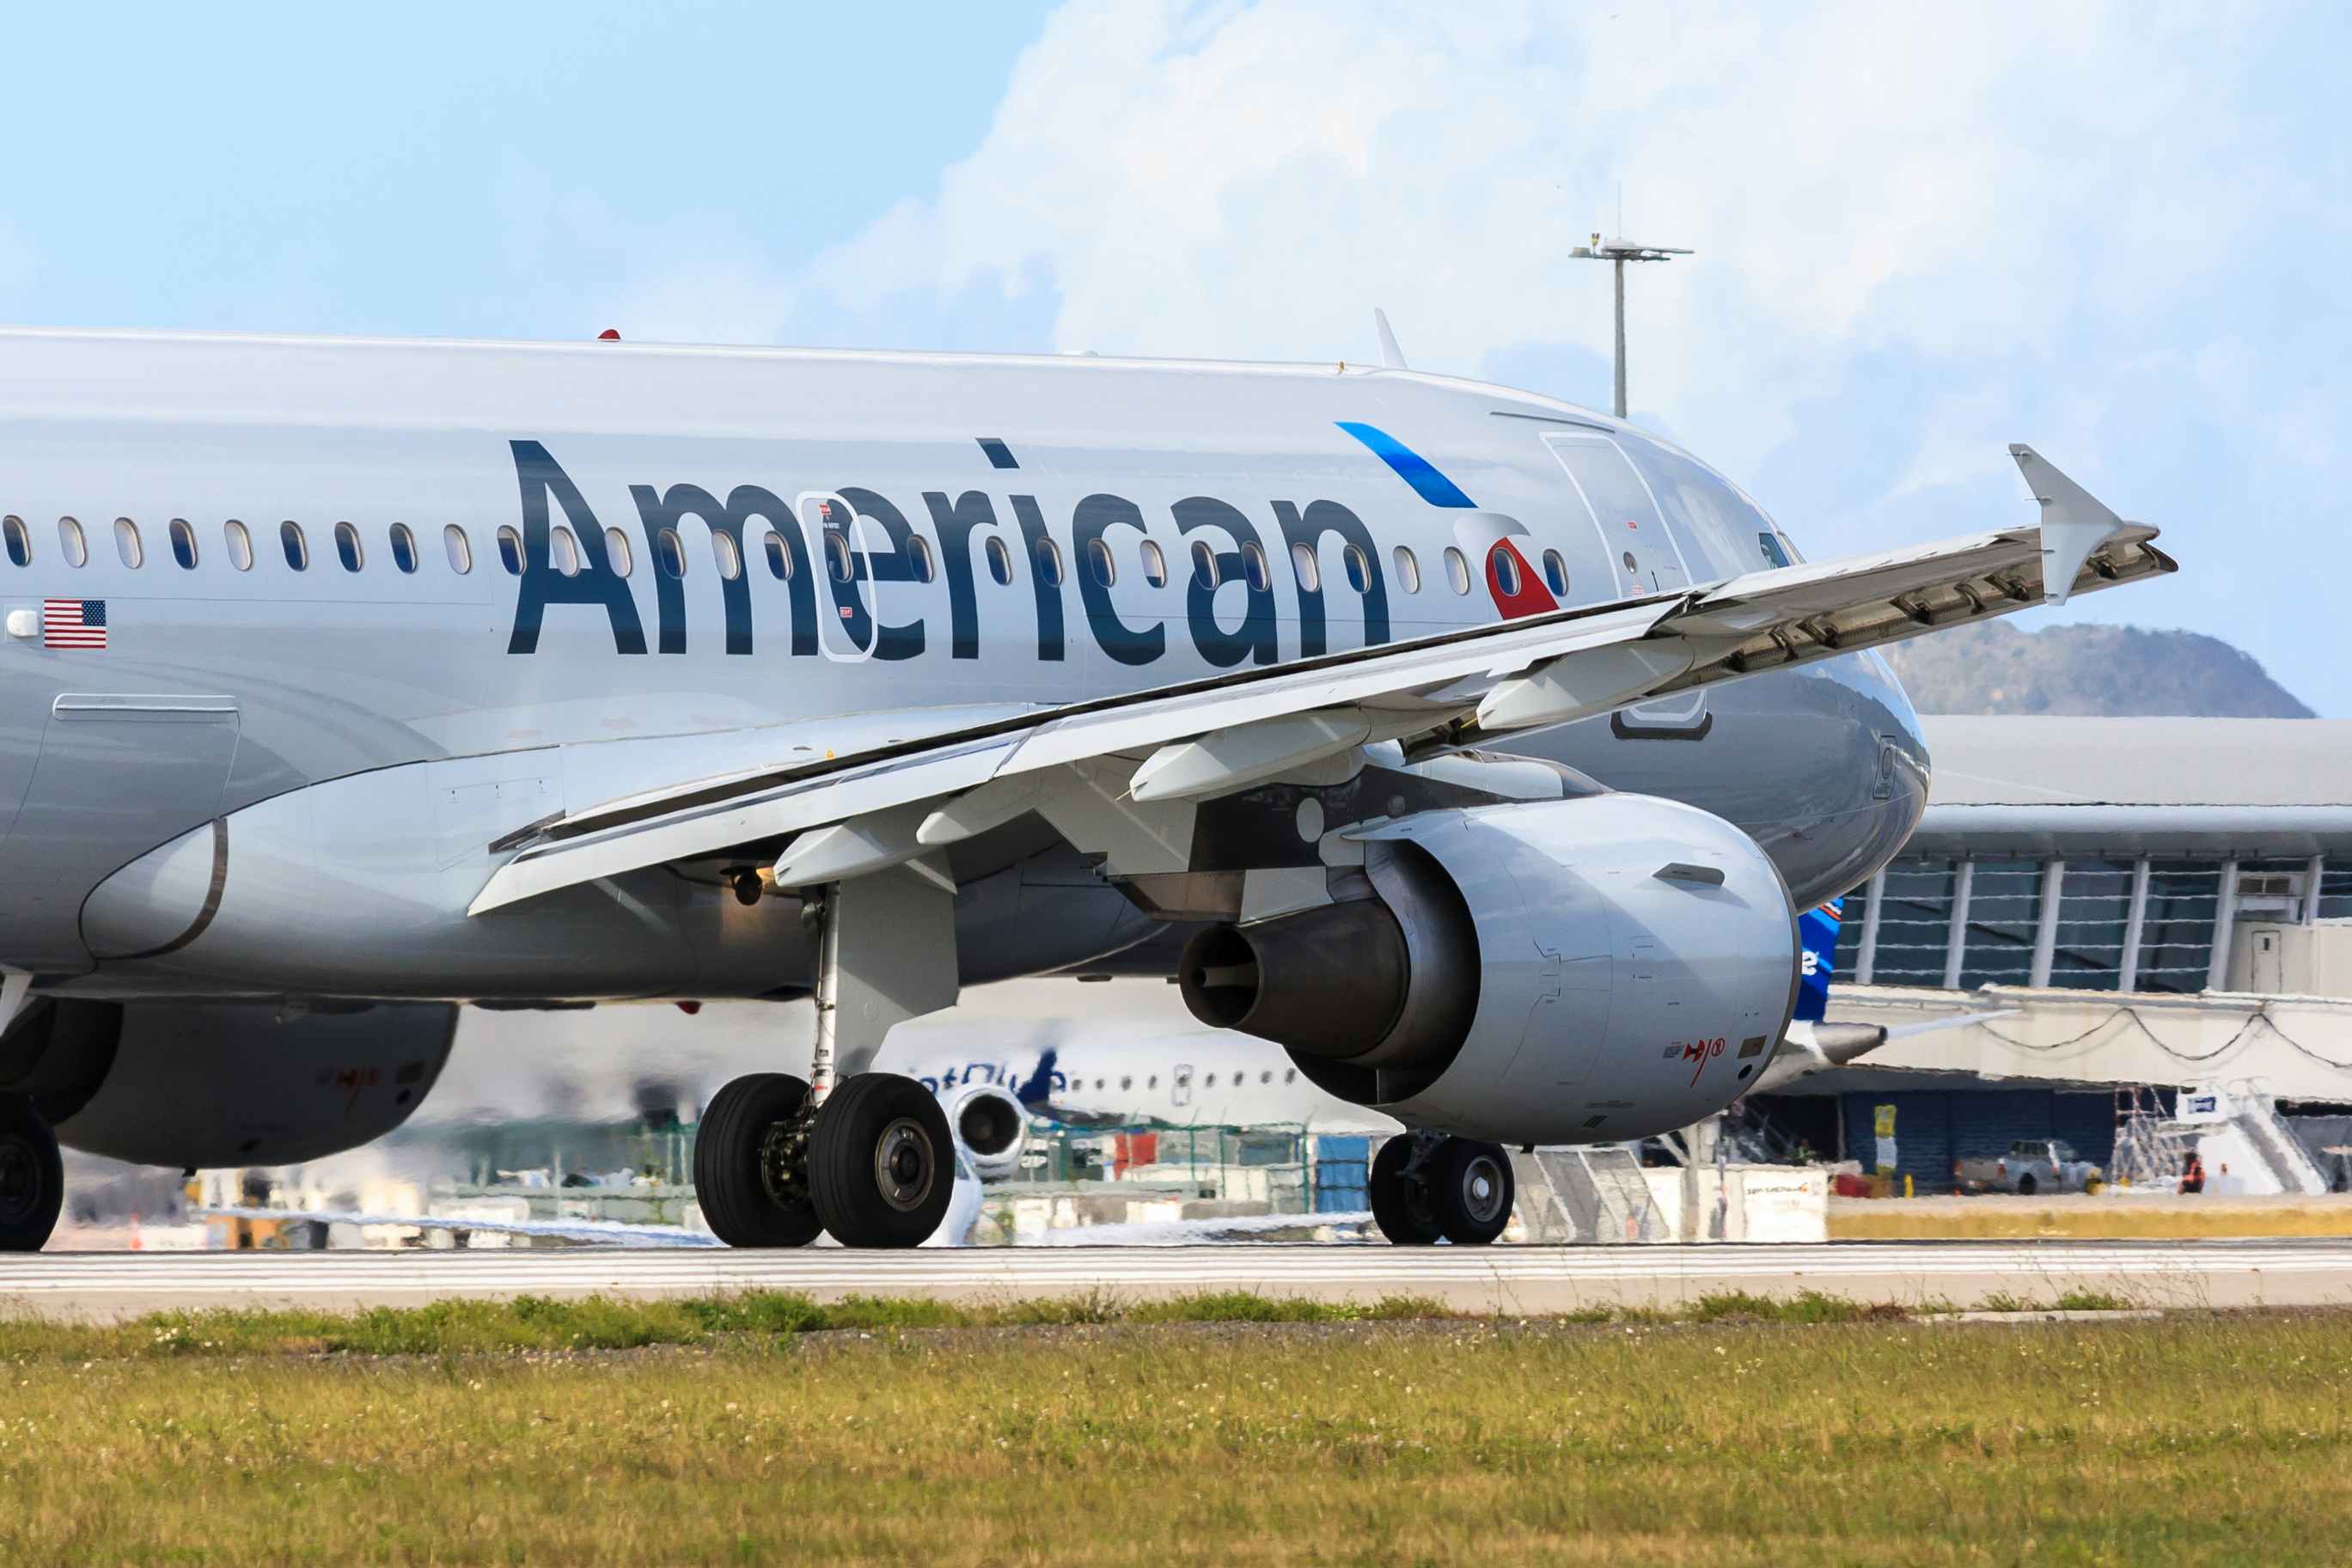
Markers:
1130,765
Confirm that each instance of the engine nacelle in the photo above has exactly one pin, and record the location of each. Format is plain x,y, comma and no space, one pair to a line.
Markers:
224,1083
1552,972
992,1127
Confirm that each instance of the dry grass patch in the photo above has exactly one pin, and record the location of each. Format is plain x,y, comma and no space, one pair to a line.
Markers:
1733,1438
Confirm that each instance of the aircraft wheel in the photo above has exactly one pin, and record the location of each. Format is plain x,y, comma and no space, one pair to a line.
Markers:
32,1177
750,1163
1400,1204
881,1161
1471,1187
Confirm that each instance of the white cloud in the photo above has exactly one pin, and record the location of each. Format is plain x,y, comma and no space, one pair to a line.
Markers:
1922,230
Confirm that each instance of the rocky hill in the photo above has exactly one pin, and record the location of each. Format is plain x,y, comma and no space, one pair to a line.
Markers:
2092,671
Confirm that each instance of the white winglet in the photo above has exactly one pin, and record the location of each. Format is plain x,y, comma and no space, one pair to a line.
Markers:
2073,522
1391,357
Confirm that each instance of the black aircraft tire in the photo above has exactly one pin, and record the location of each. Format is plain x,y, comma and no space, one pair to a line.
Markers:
32,1177
881,1161
1401,1208
1472,1187
741,1164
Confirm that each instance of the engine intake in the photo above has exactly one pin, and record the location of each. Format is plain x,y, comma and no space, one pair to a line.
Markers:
1554,971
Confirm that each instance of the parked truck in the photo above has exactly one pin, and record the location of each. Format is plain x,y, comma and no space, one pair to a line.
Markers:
2032,1165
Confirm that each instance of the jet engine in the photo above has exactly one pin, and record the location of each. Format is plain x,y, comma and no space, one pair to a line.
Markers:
224,1083
1547,972
991,1126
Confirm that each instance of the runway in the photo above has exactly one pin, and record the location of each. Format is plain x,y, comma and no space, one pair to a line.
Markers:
1505,1279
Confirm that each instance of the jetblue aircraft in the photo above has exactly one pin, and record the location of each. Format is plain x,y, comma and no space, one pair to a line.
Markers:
346,680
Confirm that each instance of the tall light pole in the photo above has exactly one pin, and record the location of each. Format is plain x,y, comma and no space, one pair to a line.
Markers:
1621,251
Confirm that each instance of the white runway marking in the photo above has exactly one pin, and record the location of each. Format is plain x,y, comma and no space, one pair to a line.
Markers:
1496,1279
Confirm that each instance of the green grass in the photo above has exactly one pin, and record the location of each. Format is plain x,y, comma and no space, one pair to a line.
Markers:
1751,1433
540,1324
607,1323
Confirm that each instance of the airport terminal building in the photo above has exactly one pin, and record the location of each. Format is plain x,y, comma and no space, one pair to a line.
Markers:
2150,901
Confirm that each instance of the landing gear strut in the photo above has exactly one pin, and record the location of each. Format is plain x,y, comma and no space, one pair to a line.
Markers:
1424,1187
32,1178
866,1156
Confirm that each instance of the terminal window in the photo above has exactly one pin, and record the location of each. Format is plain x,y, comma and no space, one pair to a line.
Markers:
2005,911
2177,936
1914,923
2094,915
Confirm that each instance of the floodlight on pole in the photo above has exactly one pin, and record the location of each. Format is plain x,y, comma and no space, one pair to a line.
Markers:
1621,251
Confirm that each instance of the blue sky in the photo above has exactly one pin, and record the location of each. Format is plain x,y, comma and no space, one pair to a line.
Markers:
2118,232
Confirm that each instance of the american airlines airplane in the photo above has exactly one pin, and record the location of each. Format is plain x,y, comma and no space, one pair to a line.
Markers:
347,680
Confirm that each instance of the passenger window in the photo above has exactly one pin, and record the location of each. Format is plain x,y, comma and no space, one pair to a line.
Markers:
1505,566
836,555
510,550
1556,573
1099,557
1049,562
404,548
297,548
1408,570
1254,566
779,560
919,556
669,553
1000,562
240,545
69,540
726,553
1359,570
616,552
458,549
1457,569
126,542
1303,562
347,547
183,544
20,543
1204,566
1155,565
564,550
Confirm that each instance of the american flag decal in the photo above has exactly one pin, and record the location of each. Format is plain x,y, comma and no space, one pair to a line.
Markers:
73,622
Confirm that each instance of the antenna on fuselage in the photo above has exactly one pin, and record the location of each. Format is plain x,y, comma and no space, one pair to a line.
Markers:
1391,357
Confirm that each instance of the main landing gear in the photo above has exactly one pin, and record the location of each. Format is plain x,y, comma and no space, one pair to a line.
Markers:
873,1163
866,1156
32,1178
1424,1187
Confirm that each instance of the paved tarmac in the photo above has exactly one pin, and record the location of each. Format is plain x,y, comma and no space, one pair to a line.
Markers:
2299,1273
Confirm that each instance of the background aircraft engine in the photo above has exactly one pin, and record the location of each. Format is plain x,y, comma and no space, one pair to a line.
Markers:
224,1083
993,1128
1549,972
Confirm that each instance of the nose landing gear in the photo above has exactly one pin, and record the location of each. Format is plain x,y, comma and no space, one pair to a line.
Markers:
1424,1187
32,1177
